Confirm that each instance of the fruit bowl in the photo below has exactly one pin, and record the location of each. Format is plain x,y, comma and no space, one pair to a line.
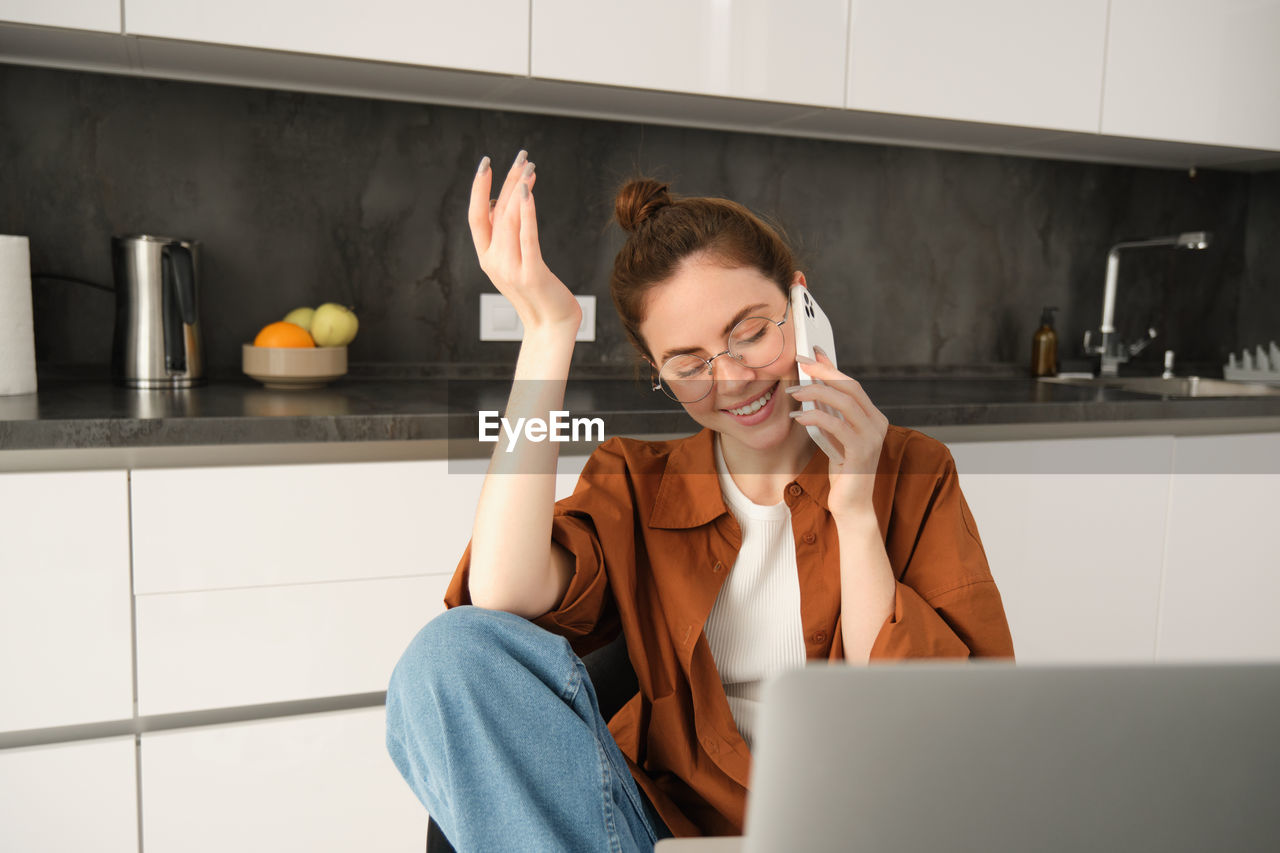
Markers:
294,367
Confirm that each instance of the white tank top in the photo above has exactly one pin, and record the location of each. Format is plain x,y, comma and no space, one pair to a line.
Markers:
754,629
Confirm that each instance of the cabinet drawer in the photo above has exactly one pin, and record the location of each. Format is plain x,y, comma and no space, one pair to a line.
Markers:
65,644
322,782
218,528
76,796
275,644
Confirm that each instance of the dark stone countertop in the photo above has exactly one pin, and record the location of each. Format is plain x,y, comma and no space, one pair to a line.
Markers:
89,412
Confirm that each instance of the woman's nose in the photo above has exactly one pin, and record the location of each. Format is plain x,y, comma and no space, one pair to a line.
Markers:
728,371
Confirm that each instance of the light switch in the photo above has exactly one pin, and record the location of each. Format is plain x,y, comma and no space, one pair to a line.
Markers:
587,331
499,321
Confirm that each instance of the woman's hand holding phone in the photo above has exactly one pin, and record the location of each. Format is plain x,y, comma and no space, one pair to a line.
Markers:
858,434
867,583
505,233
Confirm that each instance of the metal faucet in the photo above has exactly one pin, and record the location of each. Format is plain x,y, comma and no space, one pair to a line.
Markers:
1112,353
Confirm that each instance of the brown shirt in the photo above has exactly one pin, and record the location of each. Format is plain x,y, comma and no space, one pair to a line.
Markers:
654,541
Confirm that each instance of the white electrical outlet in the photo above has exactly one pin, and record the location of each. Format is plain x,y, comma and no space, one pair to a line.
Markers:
499,322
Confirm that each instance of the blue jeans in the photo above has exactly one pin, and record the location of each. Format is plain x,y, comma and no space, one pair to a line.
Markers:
493,722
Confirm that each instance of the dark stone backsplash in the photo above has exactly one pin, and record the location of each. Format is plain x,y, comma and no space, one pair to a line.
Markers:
922,257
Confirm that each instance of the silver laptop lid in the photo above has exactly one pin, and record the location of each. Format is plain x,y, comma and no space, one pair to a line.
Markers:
988,756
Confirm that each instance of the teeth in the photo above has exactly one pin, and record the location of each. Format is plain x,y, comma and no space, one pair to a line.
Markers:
752,408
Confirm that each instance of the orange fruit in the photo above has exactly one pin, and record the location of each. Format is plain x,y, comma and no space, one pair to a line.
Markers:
283,334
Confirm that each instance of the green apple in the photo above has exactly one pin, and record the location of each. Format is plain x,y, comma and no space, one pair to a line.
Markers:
301,317
333,325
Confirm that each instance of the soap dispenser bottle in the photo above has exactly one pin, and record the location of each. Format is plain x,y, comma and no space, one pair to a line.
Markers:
1044,346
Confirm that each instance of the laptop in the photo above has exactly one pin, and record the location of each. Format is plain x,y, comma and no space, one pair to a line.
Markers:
990,756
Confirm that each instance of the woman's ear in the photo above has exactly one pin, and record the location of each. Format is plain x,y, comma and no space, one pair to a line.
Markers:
798,278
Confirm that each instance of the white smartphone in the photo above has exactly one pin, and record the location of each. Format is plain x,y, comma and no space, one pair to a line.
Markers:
812,328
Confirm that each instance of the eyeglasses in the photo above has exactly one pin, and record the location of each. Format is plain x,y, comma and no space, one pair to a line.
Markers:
754,342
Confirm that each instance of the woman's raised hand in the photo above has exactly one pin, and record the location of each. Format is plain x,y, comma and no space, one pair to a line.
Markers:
505,232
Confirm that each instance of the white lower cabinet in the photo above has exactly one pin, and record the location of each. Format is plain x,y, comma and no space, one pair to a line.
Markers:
70,796
315,783
65,633
1221,591
1114,550
222,648
303,582
1105,550
1073,530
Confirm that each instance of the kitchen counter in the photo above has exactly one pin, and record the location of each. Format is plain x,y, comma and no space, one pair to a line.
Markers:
91,414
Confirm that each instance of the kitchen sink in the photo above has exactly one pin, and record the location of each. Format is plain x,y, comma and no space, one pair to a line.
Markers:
1177,386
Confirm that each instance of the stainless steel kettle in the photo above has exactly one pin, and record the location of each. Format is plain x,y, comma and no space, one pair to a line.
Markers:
157,337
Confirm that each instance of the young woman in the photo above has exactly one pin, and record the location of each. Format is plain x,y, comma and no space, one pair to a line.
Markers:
722,558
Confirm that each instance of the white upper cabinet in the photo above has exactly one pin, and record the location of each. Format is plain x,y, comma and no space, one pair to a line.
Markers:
754,49
482,35
102,15
1033,63
1192,71
1163,83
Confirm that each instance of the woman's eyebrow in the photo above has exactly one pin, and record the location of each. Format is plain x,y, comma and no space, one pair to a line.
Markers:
737,318
742,315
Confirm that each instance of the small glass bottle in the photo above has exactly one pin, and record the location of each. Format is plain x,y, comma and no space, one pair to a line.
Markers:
1044,346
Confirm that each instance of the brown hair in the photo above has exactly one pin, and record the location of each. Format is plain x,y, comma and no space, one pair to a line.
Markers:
664,229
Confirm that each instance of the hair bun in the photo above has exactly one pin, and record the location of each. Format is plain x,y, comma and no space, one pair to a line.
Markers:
638,200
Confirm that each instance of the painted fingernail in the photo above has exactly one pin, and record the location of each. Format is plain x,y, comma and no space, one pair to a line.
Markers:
520,158
528,171
524,191
797,413
794,388
804,359
484,165
817,350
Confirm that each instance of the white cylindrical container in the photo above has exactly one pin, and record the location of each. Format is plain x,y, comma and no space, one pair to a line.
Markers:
17,335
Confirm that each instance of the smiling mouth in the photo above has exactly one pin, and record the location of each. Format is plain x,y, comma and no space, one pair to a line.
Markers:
757,404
